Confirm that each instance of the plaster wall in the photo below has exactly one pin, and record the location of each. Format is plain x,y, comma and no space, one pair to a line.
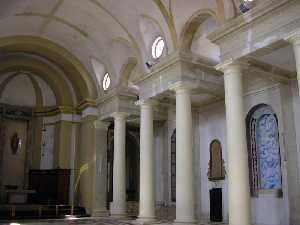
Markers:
267,209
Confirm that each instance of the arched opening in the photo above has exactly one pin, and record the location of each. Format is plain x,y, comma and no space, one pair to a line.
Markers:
263,150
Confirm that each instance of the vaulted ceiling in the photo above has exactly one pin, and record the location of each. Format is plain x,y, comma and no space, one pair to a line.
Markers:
112,32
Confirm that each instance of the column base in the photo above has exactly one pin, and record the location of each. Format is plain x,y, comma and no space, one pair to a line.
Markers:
100,213
117,212
187,222
145,220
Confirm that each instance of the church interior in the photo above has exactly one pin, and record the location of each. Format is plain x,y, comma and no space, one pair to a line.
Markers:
150,112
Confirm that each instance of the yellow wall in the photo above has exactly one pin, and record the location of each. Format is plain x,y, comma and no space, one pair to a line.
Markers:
87,169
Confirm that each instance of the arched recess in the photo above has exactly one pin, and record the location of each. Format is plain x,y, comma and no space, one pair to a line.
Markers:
263,150
72,67
216,170
54,78
192,25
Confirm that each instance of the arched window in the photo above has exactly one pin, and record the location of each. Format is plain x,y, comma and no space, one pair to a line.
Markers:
216,163
173,166
263,149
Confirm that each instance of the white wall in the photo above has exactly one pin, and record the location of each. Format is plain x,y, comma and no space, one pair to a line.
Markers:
209,123
267,209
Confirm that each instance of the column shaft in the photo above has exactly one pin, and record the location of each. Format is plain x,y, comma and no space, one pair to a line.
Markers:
185,189
100,208
118,206
238,174
296,46
147,188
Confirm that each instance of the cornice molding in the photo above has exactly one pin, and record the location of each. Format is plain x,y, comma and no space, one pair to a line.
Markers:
244,20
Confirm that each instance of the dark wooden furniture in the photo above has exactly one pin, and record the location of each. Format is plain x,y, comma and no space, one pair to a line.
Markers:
51,186
216,205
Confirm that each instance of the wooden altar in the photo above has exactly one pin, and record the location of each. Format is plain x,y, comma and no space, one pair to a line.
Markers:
51,186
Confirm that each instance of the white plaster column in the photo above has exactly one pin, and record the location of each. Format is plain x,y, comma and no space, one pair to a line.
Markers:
294,39
238,174
147,185
185,178
100,208
118,206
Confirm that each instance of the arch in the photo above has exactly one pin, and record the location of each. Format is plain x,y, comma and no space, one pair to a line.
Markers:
126,71
216,163
53,77
72,67
150,29
169,20
191,26
263,149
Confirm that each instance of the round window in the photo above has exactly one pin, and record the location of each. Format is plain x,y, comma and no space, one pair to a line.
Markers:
106,81
158,47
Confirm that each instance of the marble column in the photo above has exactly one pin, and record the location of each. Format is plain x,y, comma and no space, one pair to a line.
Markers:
185,178
118,206
147,185
238,174
294,39
100,208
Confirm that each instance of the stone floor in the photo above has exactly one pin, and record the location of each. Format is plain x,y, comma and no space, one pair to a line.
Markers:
88,221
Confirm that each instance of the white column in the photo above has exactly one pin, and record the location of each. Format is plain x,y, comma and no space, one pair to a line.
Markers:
185,187
100,208
118,206
147,185
238,174
294,39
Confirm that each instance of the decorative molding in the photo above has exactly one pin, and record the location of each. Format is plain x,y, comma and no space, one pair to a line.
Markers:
265,25
181,66
294,37
98,124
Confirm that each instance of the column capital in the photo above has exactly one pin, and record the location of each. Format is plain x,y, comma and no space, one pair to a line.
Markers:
147,102
98,124
294,37
182,86
231,65
120,115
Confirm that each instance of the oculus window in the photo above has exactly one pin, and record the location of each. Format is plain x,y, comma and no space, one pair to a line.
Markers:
106,82
158,47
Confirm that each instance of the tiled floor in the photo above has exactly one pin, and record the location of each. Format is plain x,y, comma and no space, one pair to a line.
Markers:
88,221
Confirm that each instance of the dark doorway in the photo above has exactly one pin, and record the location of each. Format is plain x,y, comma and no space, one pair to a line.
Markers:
132,164
216,205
